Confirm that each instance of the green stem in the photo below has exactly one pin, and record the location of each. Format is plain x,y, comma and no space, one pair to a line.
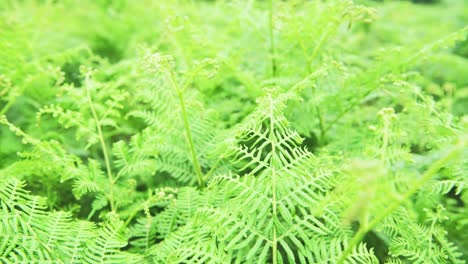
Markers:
273,184
317,108
321,124
344,112
272,40
213,168
103,147
433,169
180,95
323,37
309,60
7,106
320,119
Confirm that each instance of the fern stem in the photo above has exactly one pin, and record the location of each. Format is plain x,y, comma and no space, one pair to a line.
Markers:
385,140
273,183
323,37
321,124
7,107
272,39
188,133
344,112
433,169
103,147
309,60
213,168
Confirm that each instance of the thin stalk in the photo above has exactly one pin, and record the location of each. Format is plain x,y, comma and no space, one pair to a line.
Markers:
431,231
323,37
272,39
213,168
321,124
309,60
104,149
317,108
274,241
433,169
344,112
7,106
321,121
319,117
180,95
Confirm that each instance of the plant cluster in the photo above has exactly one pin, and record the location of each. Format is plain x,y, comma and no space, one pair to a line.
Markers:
233,131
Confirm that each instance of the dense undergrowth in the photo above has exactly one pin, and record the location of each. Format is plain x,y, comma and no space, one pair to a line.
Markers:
233,131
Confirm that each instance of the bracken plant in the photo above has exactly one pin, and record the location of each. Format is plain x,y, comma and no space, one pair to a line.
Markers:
242,131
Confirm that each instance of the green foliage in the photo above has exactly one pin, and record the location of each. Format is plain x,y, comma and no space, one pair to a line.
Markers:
233,132
30,234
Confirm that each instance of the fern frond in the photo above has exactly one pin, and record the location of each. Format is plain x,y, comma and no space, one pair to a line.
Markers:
277,225
362,255
105,247
162,111
30,234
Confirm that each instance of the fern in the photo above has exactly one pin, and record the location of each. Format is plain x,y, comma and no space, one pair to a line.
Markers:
30,234
180,154
278,217
233,132
279,223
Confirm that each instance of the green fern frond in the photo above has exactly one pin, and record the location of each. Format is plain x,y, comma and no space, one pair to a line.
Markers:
30,234
105,247
165,115
361,254
277,225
